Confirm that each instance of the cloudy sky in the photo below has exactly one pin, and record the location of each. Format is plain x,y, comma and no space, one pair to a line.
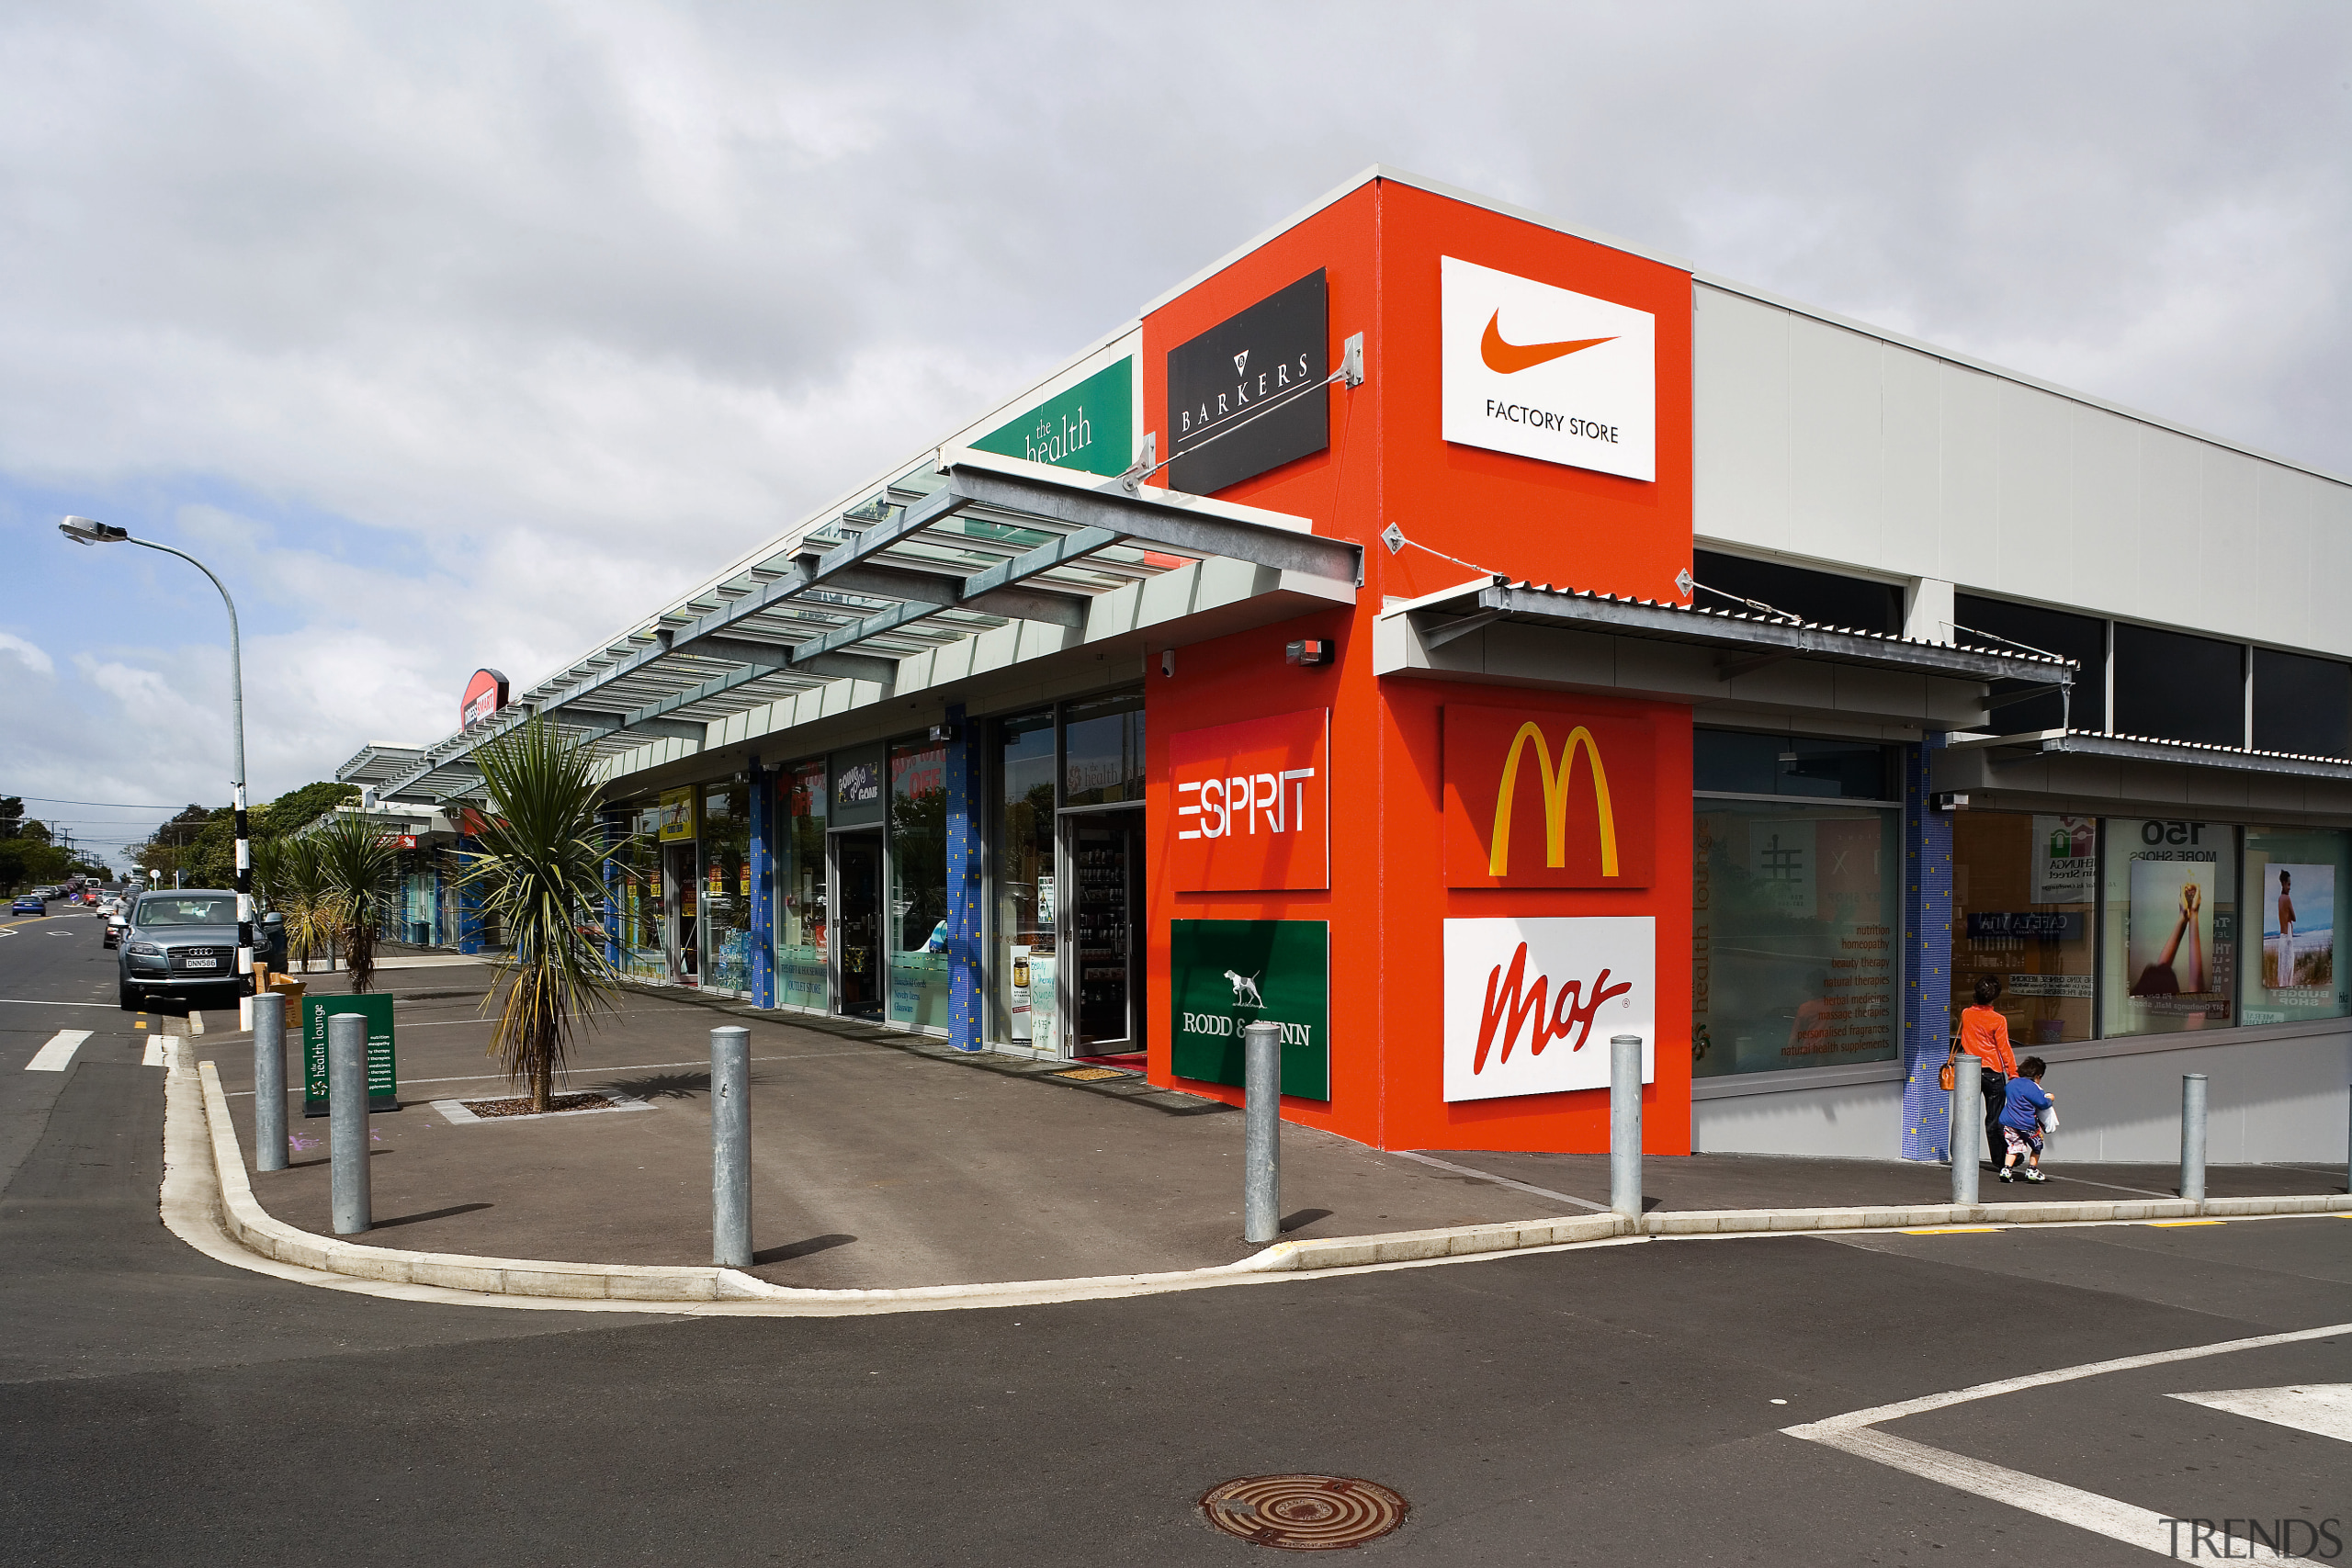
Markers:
458,334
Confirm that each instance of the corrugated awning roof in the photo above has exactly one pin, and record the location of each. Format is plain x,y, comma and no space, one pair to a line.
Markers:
960,546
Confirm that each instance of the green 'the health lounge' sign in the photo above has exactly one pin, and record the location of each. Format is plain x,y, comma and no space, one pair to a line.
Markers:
1090,426
383,1072
1227,975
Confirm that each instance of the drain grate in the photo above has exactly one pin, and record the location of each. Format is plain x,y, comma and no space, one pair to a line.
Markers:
1304,1513
1089,1075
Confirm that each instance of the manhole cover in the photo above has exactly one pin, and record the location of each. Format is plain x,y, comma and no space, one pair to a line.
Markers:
1304,1513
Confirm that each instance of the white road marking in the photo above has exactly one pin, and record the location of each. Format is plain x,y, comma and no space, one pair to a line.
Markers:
2141,1528
1852,1433
27,1002
58,1054
1502,1180
154,1057
2323,1409
194,1022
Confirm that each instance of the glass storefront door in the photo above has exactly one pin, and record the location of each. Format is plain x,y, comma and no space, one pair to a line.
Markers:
725,857
862,964
678,937
1103,926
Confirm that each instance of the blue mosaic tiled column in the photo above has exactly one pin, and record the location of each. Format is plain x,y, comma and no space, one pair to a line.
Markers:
762,851
965,998
1926,960
615,829
468,899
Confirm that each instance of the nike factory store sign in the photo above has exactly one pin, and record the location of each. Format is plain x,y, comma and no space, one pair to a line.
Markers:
1547,373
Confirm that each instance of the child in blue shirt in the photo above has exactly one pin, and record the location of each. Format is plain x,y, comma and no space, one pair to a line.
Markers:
2021,1121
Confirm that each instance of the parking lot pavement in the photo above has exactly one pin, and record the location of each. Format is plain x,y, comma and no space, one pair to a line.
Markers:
876,1160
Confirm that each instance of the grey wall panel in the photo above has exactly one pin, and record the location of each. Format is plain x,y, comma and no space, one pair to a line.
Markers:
1856,1122
1740,473
1910,526
1836,501
1823,444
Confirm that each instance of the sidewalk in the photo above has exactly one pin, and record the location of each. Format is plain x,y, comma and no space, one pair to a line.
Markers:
886,1160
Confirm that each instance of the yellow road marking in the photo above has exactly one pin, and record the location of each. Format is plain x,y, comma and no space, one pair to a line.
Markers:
140,1025
1951,1230
2169,1225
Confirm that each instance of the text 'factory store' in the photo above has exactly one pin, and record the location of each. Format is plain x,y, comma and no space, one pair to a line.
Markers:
1459,639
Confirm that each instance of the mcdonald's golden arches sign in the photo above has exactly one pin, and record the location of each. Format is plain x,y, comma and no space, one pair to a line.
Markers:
1538,797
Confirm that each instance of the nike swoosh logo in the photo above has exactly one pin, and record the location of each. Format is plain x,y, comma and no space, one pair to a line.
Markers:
1508,358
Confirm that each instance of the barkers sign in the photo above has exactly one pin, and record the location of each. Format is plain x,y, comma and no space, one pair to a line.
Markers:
1253,804
1536,798
1247,395
1531,1004
1546,373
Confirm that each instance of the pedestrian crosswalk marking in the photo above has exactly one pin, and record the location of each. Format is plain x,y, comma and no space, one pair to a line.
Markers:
58,1054
2321,1408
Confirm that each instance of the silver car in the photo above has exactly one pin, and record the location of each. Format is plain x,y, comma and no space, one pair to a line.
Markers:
183,943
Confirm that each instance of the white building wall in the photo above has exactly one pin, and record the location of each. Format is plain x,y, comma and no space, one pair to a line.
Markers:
1824,443
2283,1097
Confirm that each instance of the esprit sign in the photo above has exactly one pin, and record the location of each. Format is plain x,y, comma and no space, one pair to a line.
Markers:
1531,1004
1546,373
1253,804
1538,798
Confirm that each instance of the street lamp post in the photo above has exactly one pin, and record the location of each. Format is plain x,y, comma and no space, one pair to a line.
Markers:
89,531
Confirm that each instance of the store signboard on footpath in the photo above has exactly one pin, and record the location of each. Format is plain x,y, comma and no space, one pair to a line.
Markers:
383,1071
1227,975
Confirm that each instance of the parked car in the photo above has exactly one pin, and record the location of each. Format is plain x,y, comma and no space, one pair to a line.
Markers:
30,904
184,943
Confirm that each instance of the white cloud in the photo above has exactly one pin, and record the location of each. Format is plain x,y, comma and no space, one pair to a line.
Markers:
25,653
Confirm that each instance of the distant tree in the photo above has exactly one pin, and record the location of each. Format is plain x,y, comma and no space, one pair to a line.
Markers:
297,808
12,815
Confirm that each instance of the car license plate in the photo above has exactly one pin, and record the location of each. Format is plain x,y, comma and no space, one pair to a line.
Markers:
199,963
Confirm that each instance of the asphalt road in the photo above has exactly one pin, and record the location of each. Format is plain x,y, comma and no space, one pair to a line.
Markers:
1617,1405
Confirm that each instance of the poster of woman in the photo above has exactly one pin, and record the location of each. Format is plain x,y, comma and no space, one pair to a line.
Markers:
2297,927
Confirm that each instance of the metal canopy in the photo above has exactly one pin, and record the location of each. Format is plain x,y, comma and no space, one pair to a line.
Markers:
1743,641
943,552
2008,750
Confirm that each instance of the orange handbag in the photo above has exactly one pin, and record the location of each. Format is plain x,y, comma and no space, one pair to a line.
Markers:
1945,1078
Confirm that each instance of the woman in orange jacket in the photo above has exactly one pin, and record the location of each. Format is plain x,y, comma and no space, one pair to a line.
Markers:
1984,1034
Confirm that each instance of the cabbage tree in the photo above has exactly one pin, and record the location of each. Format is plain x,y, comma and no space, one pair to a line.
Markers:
359,869
540,871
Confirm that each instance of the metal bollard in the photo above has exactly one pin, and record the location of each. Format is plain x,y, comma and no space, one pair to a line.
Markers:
1261,1127
269,1082
347,1120
1625,1125
1967,1127
2347,1149
2192,1136
730,1148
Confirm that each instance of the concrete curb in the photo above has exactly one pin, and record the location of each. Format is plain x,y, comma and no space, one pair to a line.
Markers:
667,1287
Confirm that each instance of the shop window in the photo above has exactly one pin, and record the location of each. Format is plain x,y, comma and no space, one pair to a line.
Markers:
1103,751
2301,705
1021,968
2003,627
1736,762
1795,936
2025,911
2291,877
726,873
917,920
2169,940
638,895
2171,686
1820,596
801,887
